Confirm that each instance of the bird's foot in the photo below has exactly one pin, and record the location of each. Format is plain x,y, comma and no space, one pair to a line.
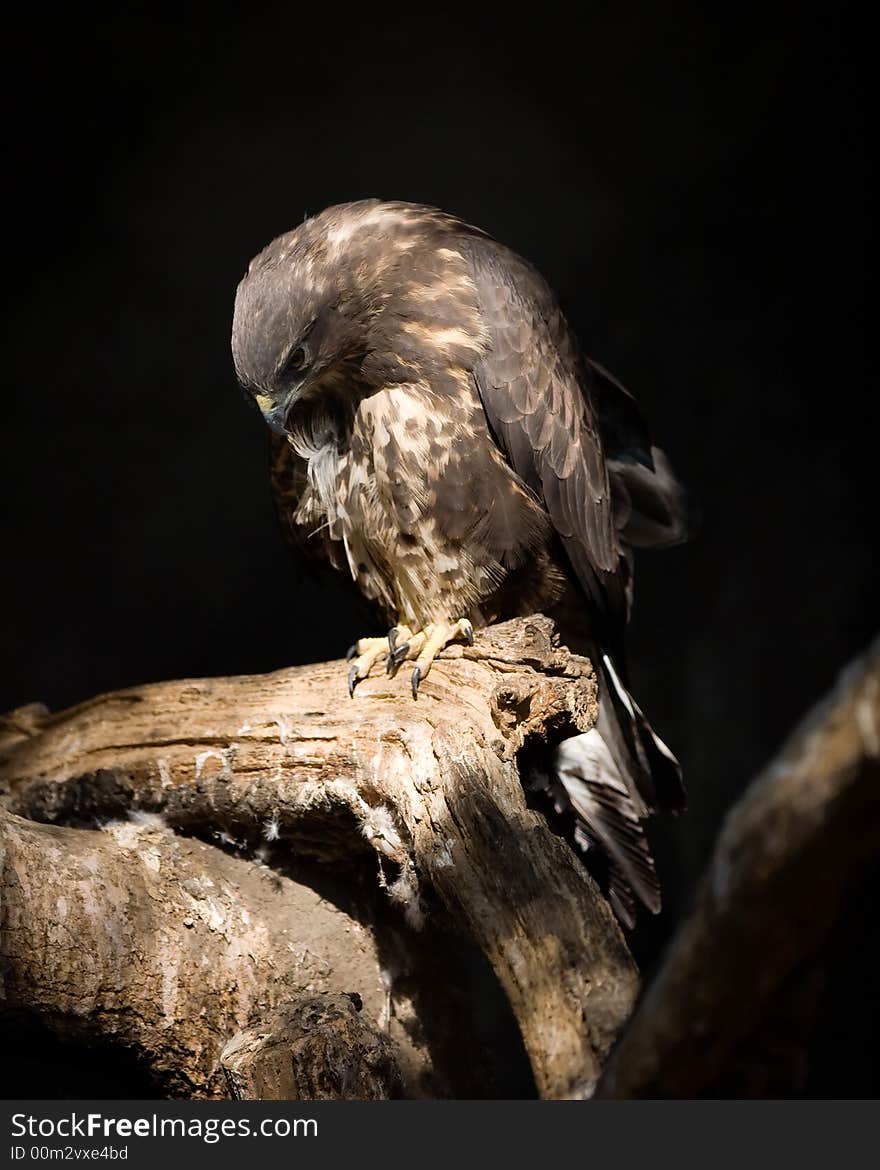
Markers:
366,652
364,655
424,646
402,645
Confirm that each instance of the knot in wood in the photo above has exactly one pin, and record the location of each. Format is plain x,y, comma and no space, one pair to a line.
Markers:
512,703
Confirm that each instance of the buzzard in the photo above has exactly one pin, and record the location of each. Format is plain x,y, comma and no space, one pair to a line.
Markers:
438,435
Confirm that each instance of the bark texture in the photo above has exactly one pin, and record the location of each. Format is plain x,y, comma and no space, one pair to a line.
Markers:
319,1048
134,937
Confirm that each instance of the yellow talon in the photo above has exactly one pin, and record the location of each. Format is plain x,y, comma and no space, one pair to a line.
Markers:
402,645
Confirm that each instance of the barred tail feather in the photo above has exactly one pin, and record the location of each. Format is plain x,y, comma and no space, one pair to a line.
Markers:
653,772
607,816
611,778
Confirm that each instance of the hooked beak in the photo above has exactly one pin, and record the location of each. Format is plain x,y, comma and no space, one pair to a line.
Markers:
274,413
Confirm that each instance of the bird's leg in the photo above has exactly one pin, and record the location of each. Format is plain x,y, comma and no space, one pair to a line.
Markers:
365,653
424,647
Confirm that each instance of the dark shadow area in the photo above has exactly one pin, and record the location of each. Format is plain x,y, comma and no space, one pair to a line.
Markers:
461,1013
45,1066
816,1037
843,1045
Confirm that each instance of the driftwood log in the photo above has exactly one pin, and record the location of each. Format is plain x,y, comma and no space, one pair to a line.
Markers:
137,934
256,886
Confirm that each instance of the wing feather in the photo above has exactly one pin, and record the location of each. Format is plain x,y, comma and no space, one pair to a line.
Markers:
534,390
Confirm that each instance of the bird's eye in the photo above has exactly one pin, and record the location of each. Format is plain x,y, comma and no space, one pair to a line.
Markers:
296,361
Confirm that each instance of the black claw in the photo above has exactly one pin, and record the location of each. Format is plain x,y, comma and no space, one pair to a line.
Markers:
399,654
395,657
351,652
416,679
353,679
392,638
469,634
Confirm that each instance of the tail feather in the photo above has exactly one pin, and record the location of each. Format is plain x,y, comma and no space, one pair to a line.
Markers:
607,815
612,777
650,767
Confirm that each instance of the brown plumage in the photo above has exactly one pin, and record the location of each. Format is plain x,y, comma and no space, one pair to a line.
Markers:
439,436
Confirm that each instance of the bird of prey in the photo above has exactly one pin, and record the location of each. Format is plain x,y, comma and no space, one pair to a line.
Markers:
438,435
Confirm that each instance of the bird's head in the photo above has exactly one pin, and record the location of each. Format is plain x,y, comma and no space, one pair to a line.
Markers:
305,311
295,327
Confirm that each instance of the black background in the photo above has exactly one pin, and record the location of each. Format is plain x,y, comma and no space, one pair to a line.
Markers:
692,181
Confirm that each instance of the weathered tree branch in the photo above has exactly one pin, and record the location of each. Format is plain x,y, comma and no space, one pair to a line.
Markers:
137,934
136,938
431,788
790,852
